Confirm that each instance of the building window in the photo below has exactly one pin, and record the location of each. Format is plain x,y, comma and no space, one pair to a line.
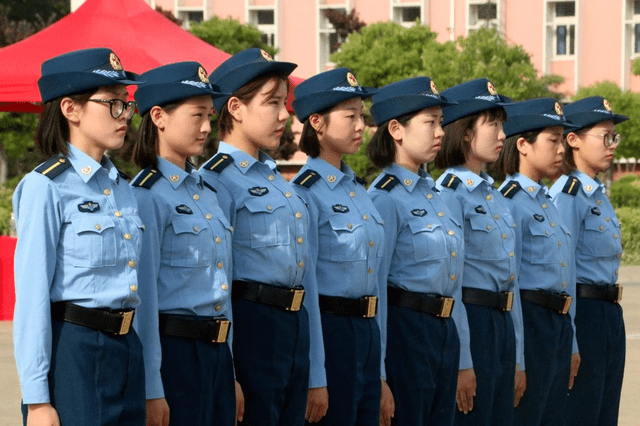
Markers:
328,37
482,14
406,13
264,18
191,13
561,28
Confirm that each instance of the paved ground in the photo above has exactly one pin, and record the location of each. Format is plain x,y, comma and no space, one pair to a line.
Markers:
629,276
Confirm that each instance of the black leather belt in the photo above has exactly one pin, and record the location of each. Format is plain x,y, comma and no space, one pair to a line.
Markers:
439,306
476,296
289,299
363,307
556,302
610,293
106,320
209,329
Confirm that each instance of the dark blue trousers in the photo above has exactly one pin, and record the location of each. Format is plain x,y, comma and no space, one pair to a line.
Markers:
352,361
548,341
595,397
271,356
423,355
198,382
493,351
95,379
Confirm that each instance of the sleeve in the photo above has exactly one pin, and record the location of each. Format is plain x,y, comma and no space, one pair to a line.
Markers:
317,373
146,318
386,206
38,208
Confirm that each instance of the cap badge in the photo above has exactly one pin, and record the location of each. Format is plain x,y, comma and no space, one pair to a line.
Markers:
352,79
266,56
115,62
491,88
202,73
607,105
559,109
434,88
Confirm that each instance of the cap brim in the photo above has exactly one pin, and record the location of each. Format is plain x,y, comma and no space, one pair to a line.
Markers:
468,107
319,101
53,86
519,124
587,119
395,107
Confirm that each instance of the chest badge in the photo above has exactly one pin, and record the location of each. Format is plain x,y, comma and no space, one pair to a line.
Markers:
538,217
419,212
183,209
258,191
89,207
339,208
595,211
480,209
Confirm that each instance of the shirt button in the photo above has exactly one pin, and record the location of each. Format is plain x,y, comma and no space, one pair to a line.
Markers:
372,243
559,243
231,228
350,226
616,236
429,196
300,264
269,207
504,236
118,213
196,197
514,225
271,177
601,228
607,219
453,277
218,240
98,227
219,265
127,236
563,264
217,308
365,216
133,288
511,254
489,198
488,227
546,232
208,216
564,284
298,215
107,192
451,233
454,254
353,194
440,214
132,264
370,271
544,206
429,226
225,286
287,194
512,277
195,228
553,224
495,216
300,240
599,202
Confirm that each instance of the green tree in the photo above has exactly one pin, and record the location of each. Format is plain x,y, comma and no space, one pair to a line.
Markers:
230,36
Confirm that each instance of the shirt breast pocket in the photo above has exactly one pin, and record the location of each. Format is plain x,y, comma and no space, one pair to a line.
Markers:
95,241
191,244
483,239
269,222
347,240
428,240
543,244
599,240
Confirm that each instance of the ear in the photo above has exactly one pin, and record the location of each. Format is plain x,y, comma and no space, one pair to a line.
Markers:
396,130
70,110
158,116
468,135
523,146
317,122
573,140
234,105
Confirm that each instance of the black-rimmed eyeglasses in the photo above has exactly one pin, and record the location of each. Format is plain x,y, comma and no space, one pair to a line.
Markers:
608,138
118,107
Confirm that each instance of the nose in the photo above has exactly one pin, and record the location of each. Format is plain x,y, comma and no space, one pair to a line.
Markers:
360,124
206,126
283,115
439,133
501,135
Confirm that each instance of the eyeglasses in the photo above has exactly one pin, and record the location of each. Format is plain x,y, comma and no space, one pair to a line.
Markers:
118,107
608,138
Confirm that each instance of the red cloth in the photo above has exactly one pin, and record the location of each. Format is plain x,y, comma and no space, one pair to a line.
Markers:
7,286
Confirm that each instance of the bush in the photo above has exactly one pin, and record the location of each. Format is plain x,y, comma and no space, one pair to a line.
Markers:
625,192
630,223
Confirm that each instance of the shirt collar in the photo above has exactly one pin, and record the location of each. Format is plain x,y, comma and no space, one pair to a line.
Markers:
589,185
174,174
328,173
469,179
86,166
528,185
244,161
406,177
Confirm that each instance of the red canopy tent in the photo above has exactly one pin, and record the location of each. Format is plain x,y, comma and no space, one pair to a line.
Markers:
140,36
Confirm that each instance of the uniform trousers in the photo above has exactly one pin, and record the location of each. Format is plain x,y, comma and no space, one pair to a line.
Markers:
423,355
198,382
271,356
595,397
352,361
95,379
548,342
493,351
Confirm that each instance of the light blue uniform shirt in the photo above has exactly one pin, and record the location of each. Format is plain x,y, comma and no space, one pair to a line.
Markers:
489,238
544,247
347,235
424,243
270,224
594,225
79,241
185,264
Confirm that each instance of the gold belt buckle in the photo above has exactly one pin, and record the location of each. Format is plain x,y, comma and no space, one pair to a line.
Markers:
223,331
127,318
447,306
619,298
372,302
296,302
509,295
567,304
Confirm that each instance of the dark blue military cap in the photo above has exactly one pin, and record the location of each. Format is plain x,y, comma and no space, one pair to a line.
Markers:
472,97
534,114
592,110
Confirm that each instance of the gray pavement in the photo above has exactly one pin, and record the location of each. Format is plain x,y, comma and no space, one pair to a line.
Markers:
629,277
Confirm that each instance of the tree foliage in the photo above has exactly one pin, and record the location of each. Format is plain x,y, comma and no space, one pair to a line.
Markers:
230,36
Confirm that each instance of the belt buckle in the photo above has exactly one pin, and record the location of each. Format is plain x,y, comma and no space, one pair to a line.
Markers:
447,306
127,318
567,304
372,303
223,331
509,303
619,295
296,300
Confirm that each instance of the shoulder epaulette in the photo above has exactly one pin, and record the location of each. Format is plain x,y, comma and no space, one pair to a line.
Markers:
510,189
307,178
387,182
361,181
54,166
147,178
451,181
219,162
204,182
572,186
124,176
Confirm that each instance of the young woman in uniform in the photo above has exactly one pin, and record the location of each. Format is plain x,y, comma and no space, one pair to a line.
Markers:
273,328
79,360
474,137
423,256
533,151
595,229
346,242
185,266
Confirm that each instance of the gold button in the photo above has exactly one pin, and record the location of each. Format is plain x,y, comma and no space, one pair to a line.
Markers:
133,288
365,216
225,286
269,207
454,254
429,196
601,228
218,240
98,227
127,236
453,277
489,198
298,215
504,236
271,177
370,271
511,254
512,277
514,226
353,194
350,226
495,216
488,227
553,224
616,236
208,216
196,197
118,213
440,214
372,243
559,243
607,219
564,284
599,202
219,265
132,264
195,228
563,264
300,240
107,192
544,206
429,226
451,233
300,264
217,308
287,194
